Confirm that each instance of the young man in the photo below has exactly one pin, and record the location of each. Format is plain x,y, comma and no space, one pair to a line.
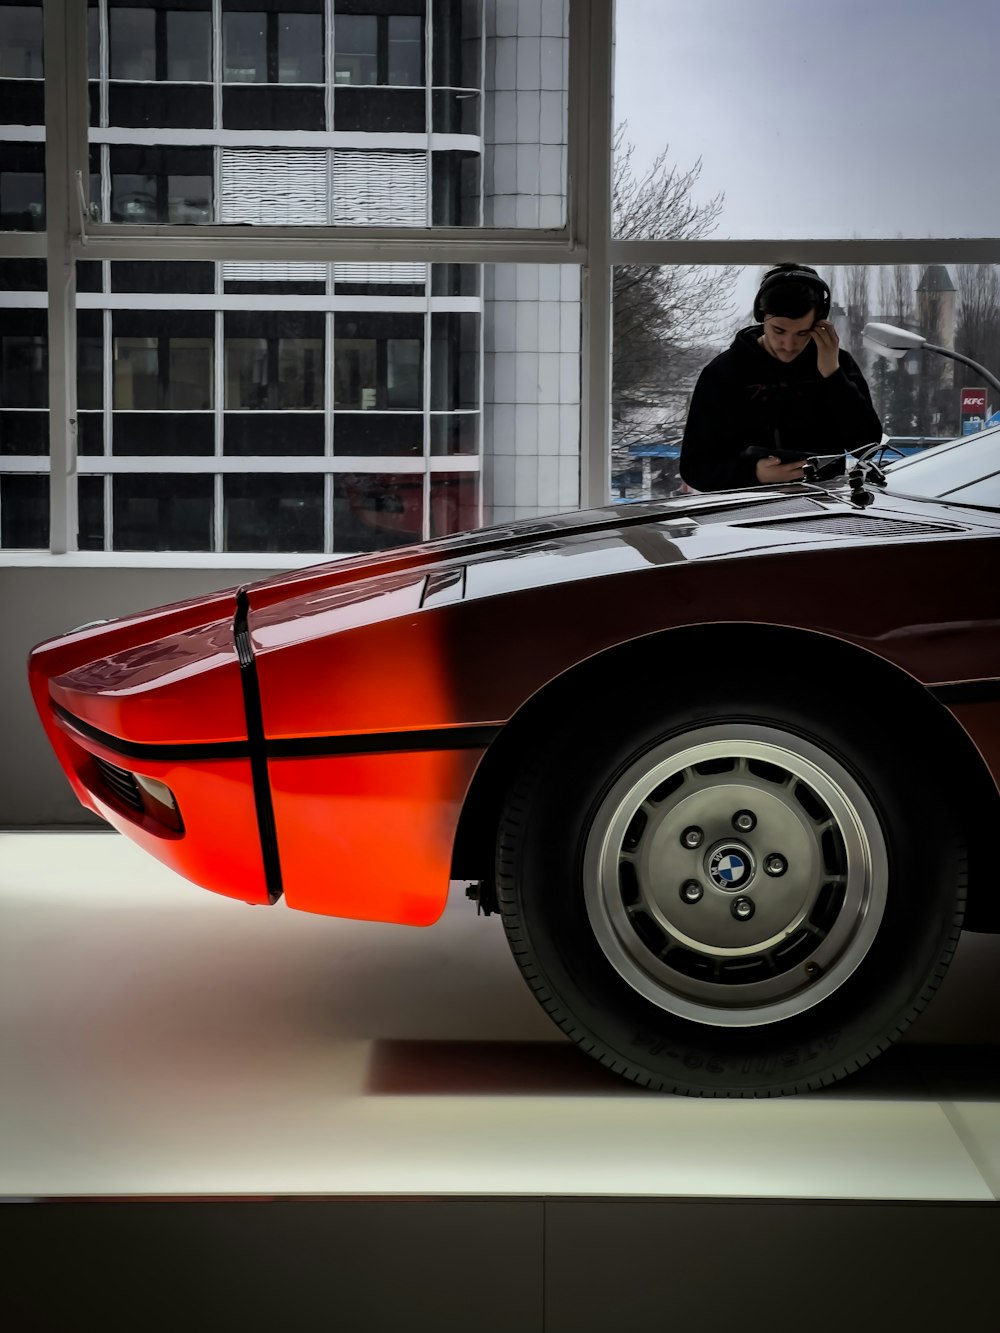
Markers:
785,383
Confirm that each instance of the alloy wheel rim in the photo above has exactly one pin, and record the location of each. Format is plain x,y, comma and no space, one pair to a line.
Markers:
735,875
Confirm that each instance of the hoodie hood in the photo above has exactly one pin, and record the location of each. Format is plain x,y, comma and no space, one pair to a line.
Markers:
754,361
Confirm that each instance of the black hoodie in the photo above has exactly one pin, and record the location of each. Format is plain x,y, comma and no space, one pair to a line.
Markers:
746,397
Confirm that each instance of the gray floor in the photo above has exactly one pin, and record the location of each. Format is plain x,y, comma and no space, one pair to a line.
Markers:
158,1040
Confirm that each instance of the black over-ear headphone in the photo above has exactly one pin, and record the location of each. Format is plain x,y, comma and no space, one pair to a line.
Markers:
778,276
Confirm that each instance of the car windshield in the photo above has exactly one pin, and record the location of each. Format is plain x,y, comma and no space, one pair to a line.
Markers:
964,471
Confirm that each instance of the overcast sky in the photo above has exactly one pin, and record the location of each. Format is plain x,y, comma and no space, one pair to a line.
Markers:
835,118
821,117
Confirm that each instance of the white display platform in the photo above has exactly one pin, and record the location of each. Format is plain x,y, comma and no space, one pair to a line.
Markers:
157,1040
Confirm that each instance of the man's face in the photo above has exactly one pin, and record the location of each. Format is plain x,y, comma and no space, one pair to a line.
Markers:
785,338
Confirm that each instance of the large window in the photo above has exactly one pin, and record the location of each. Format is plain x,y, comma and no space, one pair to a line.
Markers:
391,394
22,186
270,47
21,42
155,185
161,43
380,49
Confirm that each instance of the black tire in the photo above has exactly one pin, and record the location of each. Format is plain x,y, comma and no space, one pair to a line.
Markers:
843,949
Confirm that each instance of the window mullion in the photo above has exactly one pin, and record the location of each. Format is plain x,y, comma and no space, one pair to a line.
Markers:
65,36
591,57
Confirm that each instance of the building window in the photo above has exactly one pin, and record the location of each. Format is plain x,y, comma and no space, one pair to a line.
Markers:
161,45
385,49
373,510
272,48
21,42
22,186
22,201
275,373
377,362
161,371
156,185
24,362
24,512
274,362
272,513
162,512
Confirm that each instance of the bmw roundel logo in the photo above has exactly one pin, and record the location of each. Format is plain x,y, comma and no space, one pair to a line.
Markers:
730,867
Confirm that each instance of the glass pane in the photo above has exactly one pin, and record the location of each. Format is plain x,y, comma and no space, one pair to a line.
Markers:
22,201
189,383
133,199
247,375
21,42
300,48
378,434
300,372
455,360
133,43
189,46
162,512
136,373
244,48
839,120
403,383
90,514
375,510
355,373
24,512
24,433
93,44
273,434
273,513
160,434
454,505
24,362
455,433
189,199
355,48
705,313
89,371
405,51
90,434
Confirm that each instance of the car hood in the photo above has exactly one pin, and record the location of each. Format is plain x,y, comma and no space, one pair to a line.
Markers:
616,538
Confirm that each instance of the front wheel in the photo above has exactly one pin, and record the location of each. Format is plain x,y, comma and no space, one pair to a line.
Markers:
730,898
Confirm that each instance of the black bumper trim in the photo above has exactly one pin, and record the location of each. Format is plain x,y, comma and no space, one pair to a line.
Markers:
257,748
305,747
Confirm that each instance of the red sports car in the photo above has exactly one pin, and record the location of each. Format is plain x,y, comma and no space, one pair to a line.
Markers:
726,766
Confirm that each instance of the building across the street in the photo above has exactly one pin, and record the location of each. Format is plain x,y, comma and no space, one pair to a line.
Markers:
241,407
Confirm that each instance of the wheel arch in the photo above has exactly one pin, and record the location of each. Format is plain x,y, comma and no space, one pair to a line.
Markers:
898,701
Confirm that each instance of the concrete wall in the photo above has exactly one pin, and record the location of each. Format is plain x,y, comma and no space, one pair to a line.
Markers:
49,598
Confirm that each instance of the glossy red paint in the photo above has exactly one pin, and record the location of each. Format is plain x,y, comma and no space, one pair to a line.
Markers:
370,836
162,678
466,632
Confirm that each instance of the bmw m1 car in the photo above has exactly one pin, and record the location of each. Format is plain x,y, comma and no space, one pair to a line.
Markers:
726,766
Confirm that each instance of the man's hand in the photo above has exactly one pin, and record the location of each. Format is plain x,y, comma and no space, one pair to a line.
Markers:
773,472
824,335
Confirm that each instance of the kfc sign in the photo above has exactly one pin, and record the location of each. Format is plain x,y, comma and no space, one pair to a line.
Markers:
973,402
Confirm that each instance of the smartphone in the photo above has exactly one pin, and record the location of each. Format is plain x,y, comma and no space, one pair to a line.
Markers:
783,455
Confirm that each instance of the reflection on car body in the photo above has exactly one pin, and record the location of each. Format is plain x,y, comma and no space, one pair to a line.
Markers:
727,795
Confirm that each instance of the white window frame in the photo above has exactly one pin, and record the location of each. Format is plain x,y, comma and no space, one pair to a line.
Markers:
584,240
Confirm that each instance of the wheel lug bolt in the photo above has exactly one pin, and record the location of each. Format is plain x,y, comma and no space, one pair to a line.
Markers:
742,909
775,864
691,891
692,837
744,821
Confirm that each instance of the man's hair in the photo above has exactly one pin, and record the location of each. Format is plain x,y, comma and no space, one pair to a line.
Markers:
791,291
